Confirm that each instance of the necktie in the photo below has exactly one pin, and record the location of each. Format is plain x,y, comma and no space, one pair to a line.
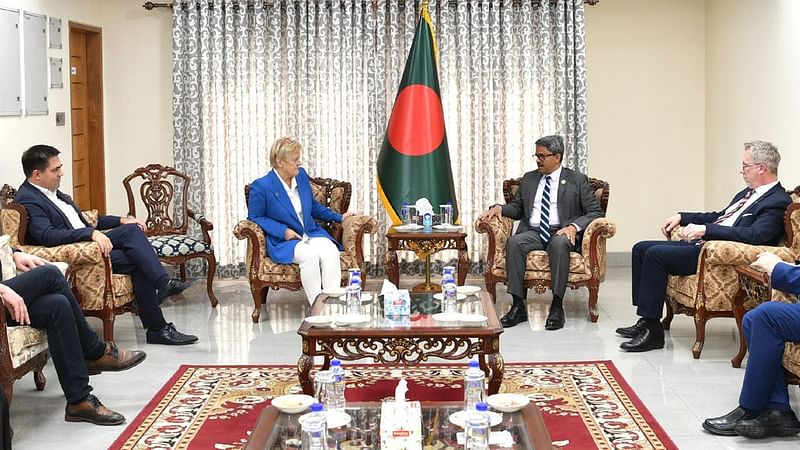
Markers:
736,208
544,221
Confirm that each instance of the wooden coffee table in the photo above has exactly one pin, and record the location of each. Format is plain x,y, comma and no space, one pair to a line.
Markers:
424,244
403,343
273,427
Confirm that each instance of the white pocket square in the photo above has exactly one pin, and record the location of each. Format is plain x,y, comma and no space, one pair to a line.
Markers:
747,214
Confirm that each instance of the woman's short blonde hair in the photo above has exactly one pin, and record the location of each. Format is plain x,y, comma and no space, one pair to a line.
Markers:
282,148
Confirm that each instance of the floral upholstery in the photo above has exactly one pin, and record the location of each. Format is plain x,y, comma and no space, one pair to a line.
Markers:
587,268
24,343
179,245
264,273
791,357
87,270
709,293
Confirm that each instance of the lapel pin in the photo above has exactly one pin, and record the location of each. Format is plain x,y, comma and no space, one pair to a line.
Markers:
563,181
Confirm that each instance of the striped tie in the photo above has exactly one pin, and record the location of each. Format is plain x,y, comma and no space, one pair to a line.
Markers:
736,208
544,221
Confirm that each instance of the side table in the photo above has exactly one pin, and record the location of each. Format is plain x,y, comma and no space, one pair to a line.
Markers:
424,244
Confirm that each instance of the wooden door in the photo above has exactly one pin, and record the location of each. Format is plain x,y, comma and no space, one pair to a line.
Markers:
86,92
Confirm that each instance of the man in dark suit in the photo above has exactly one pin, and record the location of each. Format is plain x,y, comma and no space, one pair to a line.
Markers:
554,206
41,298
754,216
764,408
54,219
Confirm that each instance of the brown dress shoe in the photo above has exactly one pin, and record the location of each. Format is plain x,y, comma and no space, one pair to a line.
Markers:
91,410
115,360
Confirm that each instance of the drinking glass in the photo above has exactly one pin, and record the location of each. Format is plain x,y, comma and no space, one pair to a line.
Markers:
446,213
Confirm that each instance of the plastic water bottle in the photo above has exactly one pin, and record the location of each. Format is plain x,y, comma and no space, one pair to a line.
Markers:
474,390
476,428
404,214
449,294
354,297
337,402
315,429
427,221
354,274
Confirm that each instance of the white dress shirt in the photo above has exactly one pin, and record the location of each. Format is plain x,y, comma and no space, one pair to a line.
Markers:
66,208
536,213
294,197
759,192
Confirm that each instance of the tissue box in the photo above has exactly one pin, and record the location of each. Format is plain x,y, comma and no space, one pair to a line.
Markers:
397,303
401,426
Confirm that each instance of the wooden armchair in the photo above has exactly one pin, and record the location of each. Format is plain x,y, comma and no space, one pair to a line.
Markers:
587,268
167,225
100,292
265,273
709,293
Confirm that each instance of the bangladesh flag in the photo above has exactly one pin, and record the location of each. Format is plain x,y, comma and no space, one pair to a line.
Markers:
414,161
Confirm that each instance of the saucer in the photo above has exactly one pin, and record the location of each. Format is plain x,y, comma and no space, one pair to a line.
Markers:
458,417
320,321
507,402
366,297
439,296
408,227
445,227
333,419
447,317
292,403
468,290
335,292
473,319
351,319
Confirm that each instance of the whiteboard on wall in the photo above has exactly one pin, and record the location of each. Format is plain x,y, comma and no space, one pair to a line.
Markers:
10,79
34,30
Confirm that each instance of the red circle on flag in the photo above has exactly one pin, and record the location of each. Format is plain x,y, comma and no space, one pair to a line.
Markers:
416,127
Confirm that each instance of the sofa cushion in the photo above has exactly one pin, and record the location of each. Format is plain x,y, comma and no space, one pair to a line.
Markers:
179,245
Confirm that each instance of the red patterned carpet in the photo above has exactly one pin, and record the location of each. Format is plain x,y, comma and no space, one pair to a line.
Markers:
585,404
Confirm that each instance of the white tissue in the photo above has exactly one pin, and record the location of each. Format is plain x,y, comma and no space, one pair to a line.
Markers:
423,206
400,391
388,288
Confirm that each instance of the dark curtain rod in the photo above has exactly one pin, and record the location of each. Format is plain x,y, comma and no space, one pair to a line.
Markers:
153,5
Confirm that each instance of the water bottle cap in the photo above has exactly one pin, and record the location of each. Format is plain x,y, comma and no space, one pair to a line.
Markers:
473,364
336,362
481,406
405,203
316,407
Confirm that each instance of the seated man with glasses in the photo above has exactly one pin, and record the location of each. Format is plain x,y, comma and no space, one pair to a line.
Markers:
754,216
554,206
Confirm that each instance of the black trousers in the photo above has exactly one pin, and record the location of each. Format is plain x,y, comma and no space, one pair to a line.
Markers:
53,308
132,254
652,262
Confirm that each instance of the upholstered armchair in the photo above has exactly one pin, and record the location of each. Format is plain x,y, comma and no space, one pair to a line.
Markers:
264,273
100,292
586,268
709,293
167,225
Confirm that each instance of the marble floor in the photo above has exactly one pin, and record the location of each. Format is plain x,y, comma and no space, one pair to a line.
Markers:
678,390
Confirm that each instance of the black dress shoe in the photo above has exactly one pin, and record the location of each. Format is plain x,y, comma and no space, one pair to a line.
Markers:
724,425
515,316
168,335
632,331
647,340
91,410
555,319
173,287
770,422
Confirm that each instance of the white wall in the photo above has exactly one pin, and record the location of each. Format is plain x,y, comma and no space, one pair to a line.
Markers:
753,88
646,111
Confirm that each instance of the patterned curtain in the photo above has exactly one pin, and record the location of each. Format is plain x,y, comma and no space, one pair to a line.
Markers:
326,72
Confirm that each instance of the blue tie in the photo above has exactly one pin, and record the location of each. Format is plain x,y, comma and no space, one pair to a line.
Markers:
544,221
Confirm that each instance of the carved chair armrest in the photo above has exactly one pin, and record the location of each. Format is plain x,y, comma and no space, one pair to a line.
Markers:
205,225
498,230
737,253
256,242
75,254
593,246
354,228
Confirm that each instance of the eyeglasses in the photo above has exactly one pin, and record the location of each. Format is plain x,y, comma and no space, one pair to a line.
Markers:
745,166
543,156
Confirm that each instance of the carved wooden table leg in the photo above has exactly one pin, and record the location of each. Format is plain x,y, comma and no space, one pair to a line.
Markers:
392,266
463,261
738,314
495,361
304,365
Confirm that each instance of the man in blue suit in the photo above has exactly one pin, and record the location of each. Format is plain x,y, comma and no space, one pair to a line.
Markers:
764,409
754,216
282,204
54,219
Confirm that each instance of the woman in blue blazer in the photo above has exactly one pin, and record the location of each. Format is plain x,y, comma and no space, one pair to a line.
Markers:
282,204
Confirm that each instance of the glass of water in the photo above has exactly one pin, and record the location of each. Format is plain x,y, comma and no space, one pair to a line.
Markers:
446,213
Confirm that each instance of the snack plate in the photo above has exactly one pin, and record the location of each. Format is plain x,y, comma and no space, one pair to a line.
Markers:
445,227
292,403
468,290
507,402
320,321
351,319
408,227
335,292
473,319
